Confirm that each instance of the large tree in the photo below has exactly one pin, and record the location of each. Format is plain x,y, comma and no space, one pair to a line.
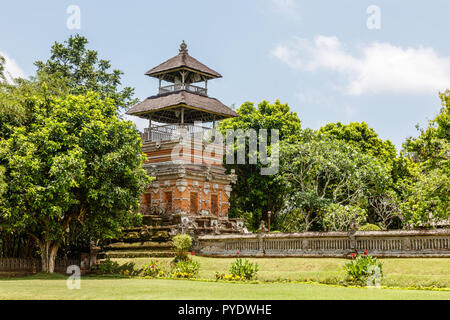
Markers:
319,172
426,191
72,162
79,70
255,194
432,147
71,69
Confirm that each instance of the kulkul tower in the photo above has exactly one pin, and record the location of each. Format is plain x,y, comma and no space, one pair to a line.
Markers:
184,153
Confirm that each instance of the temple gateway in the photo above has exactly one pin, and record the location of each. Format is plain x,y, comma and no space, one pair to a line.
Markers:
191,190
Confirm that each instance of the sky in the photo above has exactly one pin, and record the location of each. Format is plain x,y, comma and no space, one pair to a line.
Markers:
380,61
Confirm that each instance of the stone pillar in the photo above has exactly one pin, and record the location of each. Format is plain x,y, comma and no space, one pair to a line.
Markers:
94,250
261,250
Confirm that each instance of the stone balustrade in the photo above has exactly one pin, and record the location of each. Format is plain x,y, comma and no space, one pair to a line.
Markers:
414,243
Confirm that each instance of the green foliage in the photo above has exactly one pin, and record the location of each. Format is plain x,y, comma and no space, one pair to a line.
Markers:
370,227
426,199
81,71
319,171
228,277
155,269
292,220
342,218
360,135
253,194
108,267
75,163
426,190
244,269
432,147
182,243
365,270
185,269
72,162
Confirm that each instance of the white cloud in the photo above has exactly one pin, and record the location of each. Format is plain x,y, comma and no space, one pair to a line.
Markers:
288,8
12,69
379,68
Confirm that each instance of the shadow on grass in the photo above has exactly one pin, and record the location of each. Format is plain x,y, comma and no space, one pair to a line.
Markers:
35,276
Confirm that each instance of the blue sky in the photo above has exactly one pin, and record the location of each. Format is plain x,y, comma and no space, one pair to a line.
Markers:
318,56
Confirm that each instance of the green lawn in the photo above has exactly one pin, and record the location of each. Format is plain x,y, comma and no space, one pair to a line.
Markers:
54,287
398,272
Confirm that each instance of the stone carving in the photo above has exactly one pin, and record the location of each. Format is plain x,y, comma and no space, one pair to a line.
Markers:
206,188
228,190
155,185
262,227
181,186
208,175
181,171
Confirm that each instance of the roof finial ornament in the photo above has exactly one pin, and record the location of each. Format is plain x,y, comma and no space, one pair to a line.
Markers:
183,47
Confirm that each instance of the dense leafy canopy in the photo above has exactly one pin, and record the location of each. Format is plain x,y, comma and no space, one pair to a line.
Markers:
361,136
82,71
342,175
323,172
426,200
69,165
254,194
73,162
432,147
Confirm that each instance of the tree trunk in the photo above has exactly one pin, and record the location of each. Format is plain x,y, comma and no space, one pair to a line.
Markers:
48,255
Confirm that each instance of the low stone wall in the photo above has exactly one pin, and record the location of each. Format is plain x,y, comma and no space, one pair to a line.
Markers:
416,243
30,265
34,265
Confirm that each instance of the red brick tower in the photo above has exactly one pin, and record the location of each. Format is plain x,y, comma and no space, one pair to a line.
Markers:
182,150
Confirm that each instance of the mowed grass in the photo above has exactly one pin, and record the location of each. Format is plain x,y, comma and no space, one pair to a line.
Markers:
398,272
92,288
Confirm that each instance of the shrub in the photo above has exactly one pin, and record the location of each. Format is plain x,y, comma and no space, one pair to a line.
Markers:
370,227
244,269
185,269
228,277
182,243
108,267
154,269
364,270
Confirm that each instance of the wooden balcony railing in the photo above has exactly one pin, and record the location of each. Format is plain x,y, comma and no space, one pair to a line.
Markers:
183,86
171,132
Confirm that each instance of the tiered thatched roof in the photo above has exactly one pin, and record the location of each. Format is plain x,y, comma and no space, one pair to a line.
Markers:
182,101
182,61
162,108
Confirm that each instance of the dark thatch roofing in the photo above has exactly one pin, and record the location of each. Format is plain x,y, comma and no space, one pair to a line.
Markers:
183,61
196,107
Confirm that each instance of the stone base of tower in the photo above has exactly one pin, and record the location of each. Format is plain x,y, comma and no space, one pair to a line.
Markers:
191,191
